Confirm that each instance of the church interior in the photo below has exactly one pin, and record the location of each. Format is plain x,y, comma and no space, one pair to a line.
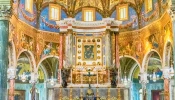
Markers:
87,49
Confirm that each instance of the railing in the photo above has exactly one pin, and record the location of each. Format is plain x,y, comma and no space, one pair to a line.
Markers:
99,93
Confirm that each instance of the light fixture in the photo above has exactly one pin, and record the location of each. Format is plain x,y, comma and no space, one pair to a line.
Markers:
154,77
23,77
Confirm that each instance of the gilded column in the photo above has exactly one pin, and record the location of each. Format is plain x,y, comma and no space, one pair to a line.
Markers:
108,48
11,73
117,59
4,35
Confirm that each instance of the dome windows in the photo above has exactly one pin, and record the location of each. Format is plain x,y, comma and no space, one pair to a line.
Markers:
29,6
54,12
122,12
88,14
148,5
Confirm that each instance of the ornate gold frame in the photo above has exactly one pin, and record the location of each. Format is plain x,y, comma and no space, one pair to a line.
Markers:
94,50
88,9
146,6
118,11
30,10
56,6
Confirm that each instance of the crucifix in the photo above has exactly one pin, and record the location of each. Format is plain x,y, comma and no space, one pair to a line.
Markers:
89,75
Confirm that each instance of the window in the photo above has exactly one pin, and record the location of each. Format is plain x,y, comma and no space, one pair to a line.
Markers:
54,12
148,5
122,12
88,14
29,5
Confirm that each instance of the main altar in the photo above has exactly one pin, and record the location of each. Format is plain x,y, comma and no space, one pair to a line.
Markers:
91,60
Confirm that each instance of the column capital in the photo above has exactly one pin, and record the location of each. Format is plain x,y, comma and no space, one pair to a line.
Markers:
166,72
5,12
11,73
34,77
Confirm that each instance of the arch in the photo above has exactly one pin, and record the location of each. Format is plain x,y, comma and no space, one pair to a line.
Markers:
12,54
133,67
146,59
167,54
31,58
132,70
50,56
46,76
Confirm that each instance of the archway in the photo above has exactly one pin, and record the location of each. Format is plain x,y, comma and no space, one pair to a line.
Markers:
152,65
130,68
49,66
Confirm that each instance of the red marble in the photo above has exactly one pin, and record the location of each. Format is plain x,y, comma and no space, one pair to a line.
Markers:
11,89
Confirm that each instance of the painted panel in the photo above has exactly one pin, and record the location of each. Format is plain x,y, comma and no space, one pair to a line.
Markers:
49,25
25,15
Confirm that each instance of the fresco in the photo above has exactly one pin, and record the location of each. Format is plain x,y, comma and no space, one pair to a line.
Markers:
25,15
49,25
151,16
50,48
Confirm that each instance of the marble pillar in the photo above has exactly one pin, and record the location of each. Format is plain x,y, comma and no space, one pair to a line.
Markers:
61,51
166,89
60,57
69,48
117,59
108,48
11,89
4,33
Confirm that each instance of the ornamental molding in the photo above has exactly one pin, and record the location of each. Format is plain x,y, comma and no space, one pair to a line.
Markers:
166,73
94,26
11,73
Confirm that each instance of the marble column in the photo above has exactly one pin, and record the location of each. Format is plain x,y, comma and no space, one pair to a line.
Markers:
4,35
60,57
117,59
108,48
61,51
166,89
11,73
69,48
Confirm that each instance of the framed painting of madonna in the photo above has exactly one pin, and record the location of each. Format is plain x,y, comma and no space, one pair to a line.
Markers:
89,51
